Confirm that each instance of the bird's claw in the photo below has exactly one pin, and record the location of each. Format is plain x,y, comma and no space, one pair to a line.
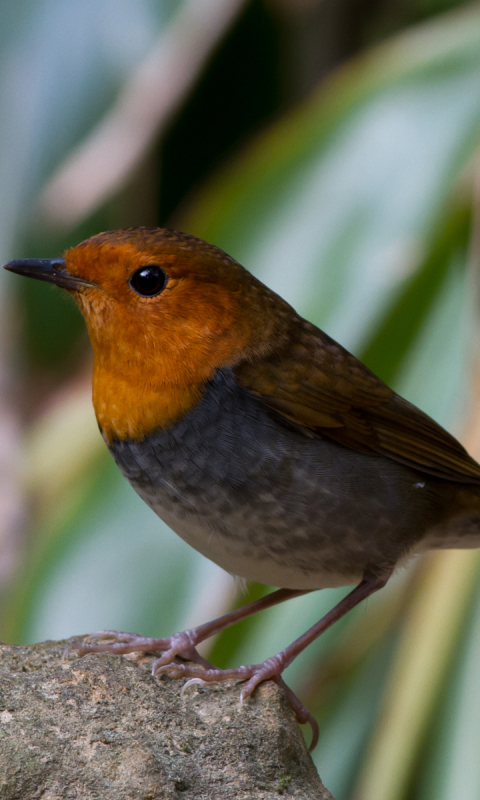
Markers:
120,643
95,642
192,682
302,714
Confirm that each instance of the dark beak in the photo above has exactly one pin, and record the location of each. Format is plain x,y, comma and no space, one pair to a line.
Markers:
51,270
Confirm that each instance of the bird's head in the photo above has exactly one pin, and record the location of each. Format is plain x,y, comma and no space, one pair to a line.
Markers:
163,310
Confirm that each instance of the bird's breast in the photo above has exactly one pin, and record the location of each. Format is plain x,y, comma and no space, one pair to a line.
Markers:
269,503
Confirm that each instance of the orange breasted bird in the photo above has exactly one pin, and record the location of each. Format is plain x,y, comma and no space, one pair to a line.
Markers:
262,442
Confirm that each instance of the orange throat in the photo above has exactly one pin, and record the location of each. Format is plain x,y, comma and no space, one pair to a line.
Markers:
127,410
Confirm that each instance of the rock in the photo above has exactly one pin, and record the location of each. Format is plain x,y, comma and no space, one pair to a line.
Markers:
101,727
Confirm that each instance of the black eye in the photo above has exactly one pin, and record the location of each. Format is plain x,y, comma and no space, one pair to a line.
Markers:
148,281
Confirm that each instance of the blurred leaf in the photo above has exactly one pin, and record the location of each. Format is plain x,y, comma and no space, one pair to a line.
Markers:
62,64
434,374
402,323
428,642
348,729
452,766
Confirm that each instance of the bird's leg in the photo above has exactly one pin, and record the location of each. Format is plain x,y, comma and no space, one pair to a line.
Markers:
273,667
180,644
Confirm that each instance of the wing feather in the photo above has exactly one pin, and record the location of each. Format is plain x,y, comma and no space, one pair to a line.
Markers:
319,385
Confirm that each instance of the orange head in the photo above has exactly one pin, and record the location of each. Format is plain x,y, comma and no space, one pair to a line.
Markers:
163,310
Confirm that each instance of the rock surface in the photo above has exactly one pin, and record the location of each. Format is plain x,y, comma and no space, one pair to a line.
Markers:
101,727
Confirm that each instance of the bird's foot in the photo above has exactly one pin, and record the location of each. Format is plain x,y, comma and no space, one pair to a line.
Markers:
118,643
270,669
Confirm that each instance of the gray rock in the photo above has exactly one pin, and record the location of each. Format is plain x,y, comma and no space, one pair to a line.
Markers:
101,727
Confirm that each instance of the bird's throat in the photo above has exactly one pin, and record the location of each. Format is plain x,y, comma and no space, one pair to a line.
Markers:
127,410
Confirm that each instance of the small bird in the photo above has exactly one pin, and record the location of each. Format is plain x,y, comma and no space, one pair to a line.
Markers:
261,441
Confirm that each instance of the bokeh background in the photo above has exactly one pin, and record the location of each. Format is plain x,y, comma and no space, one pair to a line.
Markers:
331,147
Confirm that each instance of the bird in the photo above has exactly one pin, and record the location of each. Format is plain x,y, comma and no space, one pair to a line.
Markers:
257,438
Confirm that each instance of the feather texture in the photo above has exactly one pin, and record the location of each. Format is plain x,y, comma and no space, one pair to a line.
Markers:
319,385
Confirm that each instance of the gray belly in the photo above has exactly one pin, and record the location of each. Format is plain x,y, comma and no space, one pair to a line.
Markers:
273,504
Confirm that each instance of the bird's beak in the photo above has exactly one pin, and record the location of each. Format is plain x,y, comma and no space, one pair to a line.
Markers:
51,270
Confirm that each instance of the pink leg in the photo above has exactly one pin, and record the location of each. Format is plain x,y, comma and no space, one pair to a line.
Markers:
180,644
273,667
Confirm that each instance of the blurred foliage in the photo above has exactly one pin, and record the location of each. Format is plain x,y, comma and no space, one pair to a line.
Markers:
330,147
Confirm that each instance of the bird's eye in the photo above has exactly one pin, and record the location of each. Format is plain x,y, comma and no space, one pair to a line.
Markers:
148,281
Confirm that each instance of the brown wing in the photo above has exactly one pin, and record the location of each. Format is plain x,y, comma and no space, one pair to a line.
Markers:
317,384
